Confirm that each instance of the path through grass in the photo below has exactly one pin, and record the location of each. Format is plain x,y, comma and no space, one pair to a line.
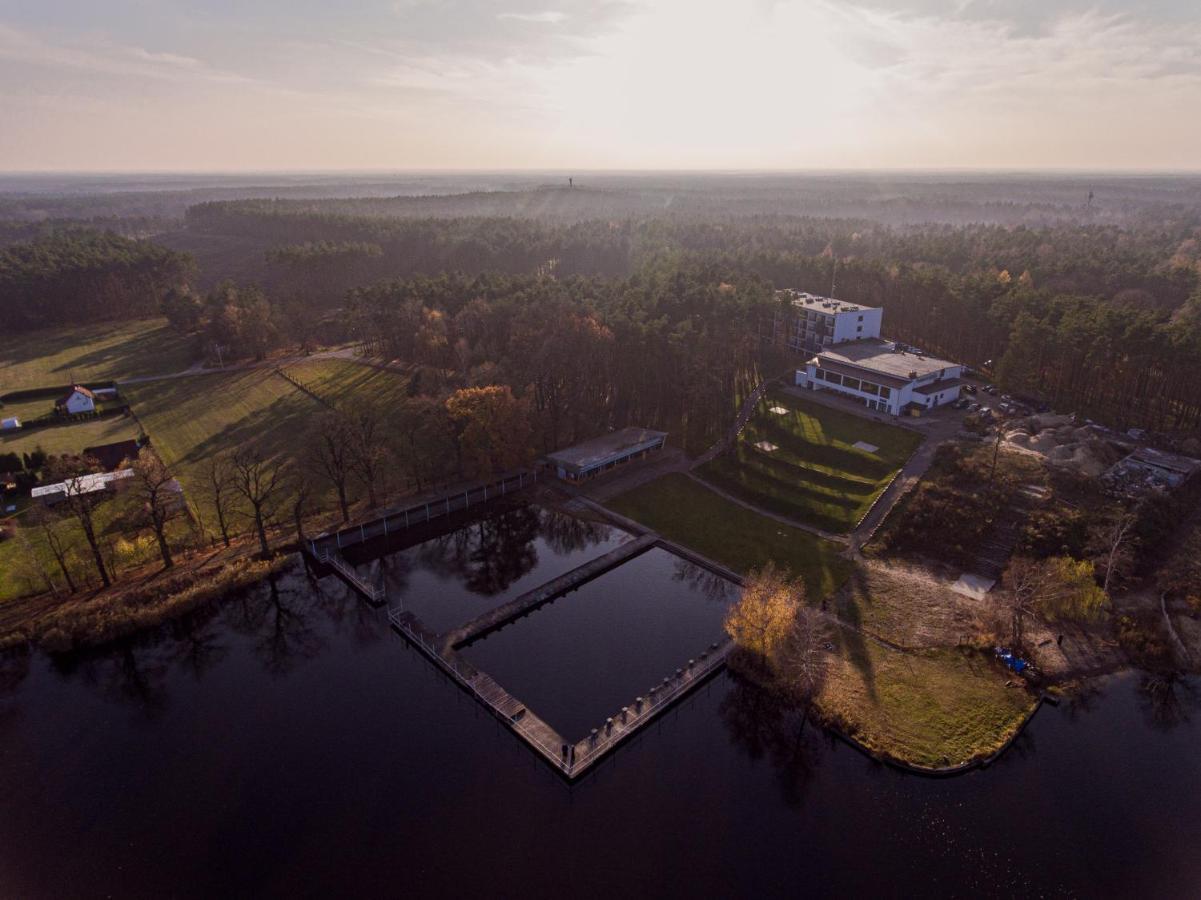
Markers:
684,511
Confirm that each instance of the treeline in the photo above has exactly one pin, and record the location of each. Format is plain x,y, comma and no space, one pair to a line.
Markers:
1154,266
80,275
586,354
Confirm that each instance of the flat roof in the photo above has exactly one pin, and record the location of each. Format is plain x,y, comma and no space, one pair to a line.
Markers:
878,355
942,384
87,484
601,449
876,377
1173,462
816,302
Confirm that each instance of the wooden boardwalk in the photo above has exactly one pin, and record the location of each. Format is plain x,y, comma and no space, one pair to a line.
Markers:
398,521
373,594
570,760
544,593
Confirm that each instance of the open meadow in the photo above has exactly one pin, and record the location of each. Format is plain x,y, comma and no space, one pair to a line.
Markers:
192,420
91,352
683,510
802,459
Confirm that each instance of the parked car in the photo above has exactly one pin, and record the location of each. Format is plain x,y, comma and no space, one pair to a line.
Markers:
961,403
969,389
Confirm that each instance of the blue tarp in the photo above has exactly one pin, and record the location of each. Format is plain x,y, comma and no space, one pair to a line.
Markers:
1013,662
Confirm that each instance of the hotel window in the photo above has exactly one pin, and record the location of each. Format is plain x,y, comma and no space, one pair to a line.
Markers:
868,388
885,392
852,383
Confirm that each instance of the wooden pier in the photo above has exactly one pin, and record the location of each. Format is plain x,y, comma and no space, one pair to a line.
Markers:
544,593
571,760
398,521
374,594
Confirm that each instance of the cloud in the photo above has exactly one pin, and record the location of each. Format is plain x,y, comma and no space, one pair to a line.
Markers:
549,16
101,57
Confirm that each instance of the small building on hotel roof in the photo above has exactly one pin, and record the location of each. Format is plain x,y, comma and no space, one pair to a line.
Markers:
592,457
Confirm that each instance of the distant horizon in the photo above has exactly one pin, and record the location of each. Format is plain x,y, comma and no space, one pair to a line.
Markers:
478,86
568,171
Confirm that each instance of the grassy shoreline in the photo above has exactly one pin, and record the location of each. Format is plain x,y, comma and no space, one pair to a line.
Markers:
115,614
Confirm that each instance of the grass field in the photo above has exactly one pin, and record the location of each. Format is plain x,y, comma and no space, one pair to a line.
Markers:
933,708
686,512
71,437
98,352
816,474
190,420
336,380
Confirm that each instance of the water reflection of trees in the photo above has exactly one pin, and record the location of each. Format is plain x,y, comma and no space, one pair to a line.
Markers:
288,617
1168,699
566,534
770,724
709,584
279,615
488,555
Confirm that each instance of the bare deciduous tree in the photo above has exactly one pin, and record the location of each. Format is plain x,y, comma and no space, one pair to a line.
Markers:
1114,542
368,448
79,500
57,541
160,497
219,486
260,482
332,455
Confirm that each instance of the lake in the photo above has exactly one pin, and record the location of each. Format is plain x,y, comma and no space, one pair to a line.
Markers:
286,743
448,579
593,650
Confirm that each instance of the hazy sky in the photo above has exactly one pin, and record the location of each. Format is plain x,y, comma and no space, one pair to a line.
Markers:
401,84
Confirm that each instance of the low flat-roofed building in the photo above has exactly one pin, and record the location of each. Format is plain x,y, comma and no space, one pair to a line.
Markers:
1156,466
883,376
83,484
592,457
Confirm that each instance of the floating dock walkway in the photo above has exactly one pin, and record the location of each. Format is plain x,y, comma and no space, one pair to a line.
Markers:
544,593
398,521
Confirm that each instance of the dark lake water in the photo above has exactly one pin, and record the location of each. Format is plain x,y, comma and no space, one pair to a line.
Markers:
449,579
592,651
286,743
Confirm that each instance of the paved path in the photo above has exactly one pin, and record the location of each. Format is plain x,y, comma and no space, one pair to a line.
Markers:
783,520
744,415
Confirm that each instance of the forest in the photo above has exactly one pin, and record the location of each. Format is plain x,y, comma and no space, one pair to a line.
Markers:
1090,305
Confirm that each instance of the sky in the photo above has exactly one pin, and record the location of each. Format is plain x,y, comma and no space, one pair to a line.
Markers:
302,85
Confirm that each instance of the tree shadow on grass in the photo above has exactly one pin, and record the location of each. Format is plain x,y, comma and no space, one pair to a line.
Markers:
852,642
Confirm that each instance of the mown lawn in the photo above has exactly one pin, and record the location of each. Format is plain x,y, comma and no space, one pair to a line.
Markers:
190,420
815,474
70,437
92,352
335,380
684,511
933,708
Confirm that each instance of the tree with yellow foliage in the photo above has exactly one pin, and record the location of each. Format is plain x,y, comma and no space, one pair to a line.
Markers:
765,615
492,428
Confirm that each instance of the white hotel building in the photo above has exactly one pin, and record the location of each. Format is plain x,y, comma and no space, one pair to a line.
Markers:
850,358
